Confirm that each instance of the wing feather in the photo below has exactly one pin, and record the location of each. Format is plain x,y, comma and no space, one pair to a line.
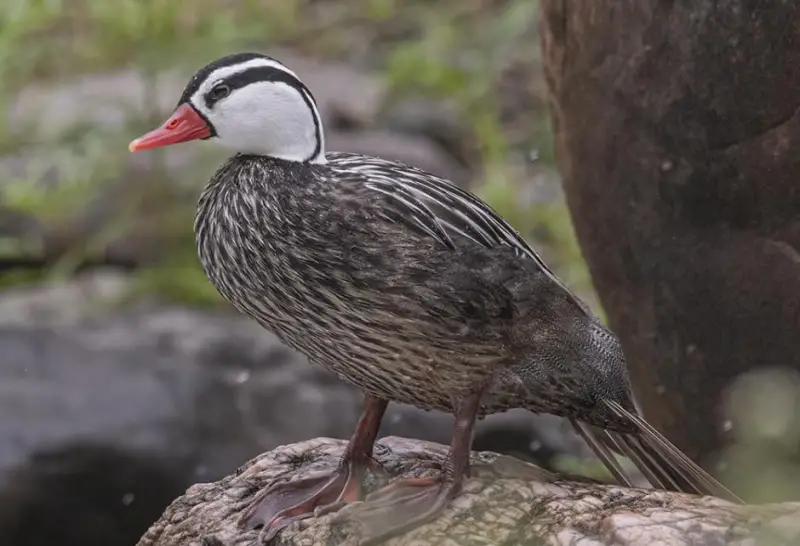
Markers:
436,207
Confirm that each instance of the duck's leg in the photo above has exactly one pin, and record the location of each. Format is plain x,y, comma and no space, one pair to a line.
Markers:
410,502
286,502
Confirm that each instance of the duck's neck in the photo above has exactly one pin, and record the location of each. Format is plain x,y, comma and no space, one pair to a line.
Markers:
294,135
283,145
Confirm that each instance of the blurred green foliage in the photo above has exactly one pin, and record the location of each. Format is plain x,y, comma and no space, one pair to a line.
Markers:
454,49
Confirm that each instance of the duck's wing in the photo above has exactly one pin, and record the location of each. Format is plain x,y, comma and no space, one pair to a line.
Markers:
435,205
432,205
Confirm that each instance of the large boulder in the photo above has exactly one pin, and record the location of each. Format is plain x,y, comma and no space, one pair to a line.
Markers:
677,129
506,502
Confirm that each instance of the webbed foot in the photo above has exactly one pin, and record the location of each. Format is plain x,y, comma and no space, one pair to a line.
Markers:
401,506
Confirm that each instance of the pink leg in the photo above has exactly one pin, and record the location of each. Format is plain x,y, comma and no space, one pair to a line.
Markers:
410,502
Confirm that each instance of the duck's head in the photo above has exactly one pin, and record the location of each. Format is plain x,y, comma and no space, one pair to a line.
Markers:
252,104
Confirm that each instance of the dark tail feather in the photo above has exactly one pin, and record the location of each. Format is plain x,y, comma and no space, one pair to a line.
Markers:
663,464
603,452
599,439
658,471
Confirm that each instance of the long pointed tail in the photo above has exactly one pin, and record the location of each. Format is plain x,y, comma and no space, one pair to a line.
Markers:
663,464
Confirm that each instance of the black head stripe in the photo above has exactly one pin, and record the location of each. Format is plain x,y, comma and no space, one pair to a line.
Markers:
244,78
202,74
271,74
309,100
257,74
211,128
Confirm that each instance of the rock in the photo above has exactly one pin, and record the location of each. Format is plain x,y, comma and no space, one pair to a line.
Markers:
167,379
689,216
174,380
506,502
439,120
58,305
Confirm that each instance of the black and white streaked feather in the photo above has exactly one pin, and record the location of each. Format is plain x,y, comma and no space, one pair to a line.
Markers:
400,282
440,208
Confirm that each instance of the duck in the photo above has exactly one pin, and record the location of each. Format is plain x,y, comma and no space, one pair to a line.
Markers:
402,284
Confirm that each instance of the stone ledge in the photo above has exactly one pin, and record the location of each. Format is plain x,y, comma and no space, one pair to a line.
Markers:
506,502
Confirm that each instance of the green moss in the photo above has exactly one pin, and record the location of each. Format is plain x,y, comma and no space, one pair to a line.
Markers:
179,282
16,278
567,464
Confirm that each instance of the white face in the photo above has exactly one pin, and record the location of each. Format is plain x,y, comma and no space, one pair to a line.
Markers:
271,118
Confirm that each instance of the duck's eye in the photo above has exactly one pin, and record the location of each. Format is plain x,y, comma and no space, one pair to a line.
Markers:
219,92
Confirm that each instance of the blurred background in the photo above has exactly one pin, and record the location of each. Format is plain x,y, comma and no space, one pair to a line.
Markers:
124,378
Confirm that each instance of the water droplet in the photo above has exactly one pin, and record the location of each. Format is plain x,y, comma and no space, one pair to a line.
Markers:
128,498
727,425
242,377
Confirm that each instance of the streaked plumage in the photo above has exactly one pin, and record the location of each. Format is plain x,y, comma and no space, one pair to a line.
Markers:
427,284
397,281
